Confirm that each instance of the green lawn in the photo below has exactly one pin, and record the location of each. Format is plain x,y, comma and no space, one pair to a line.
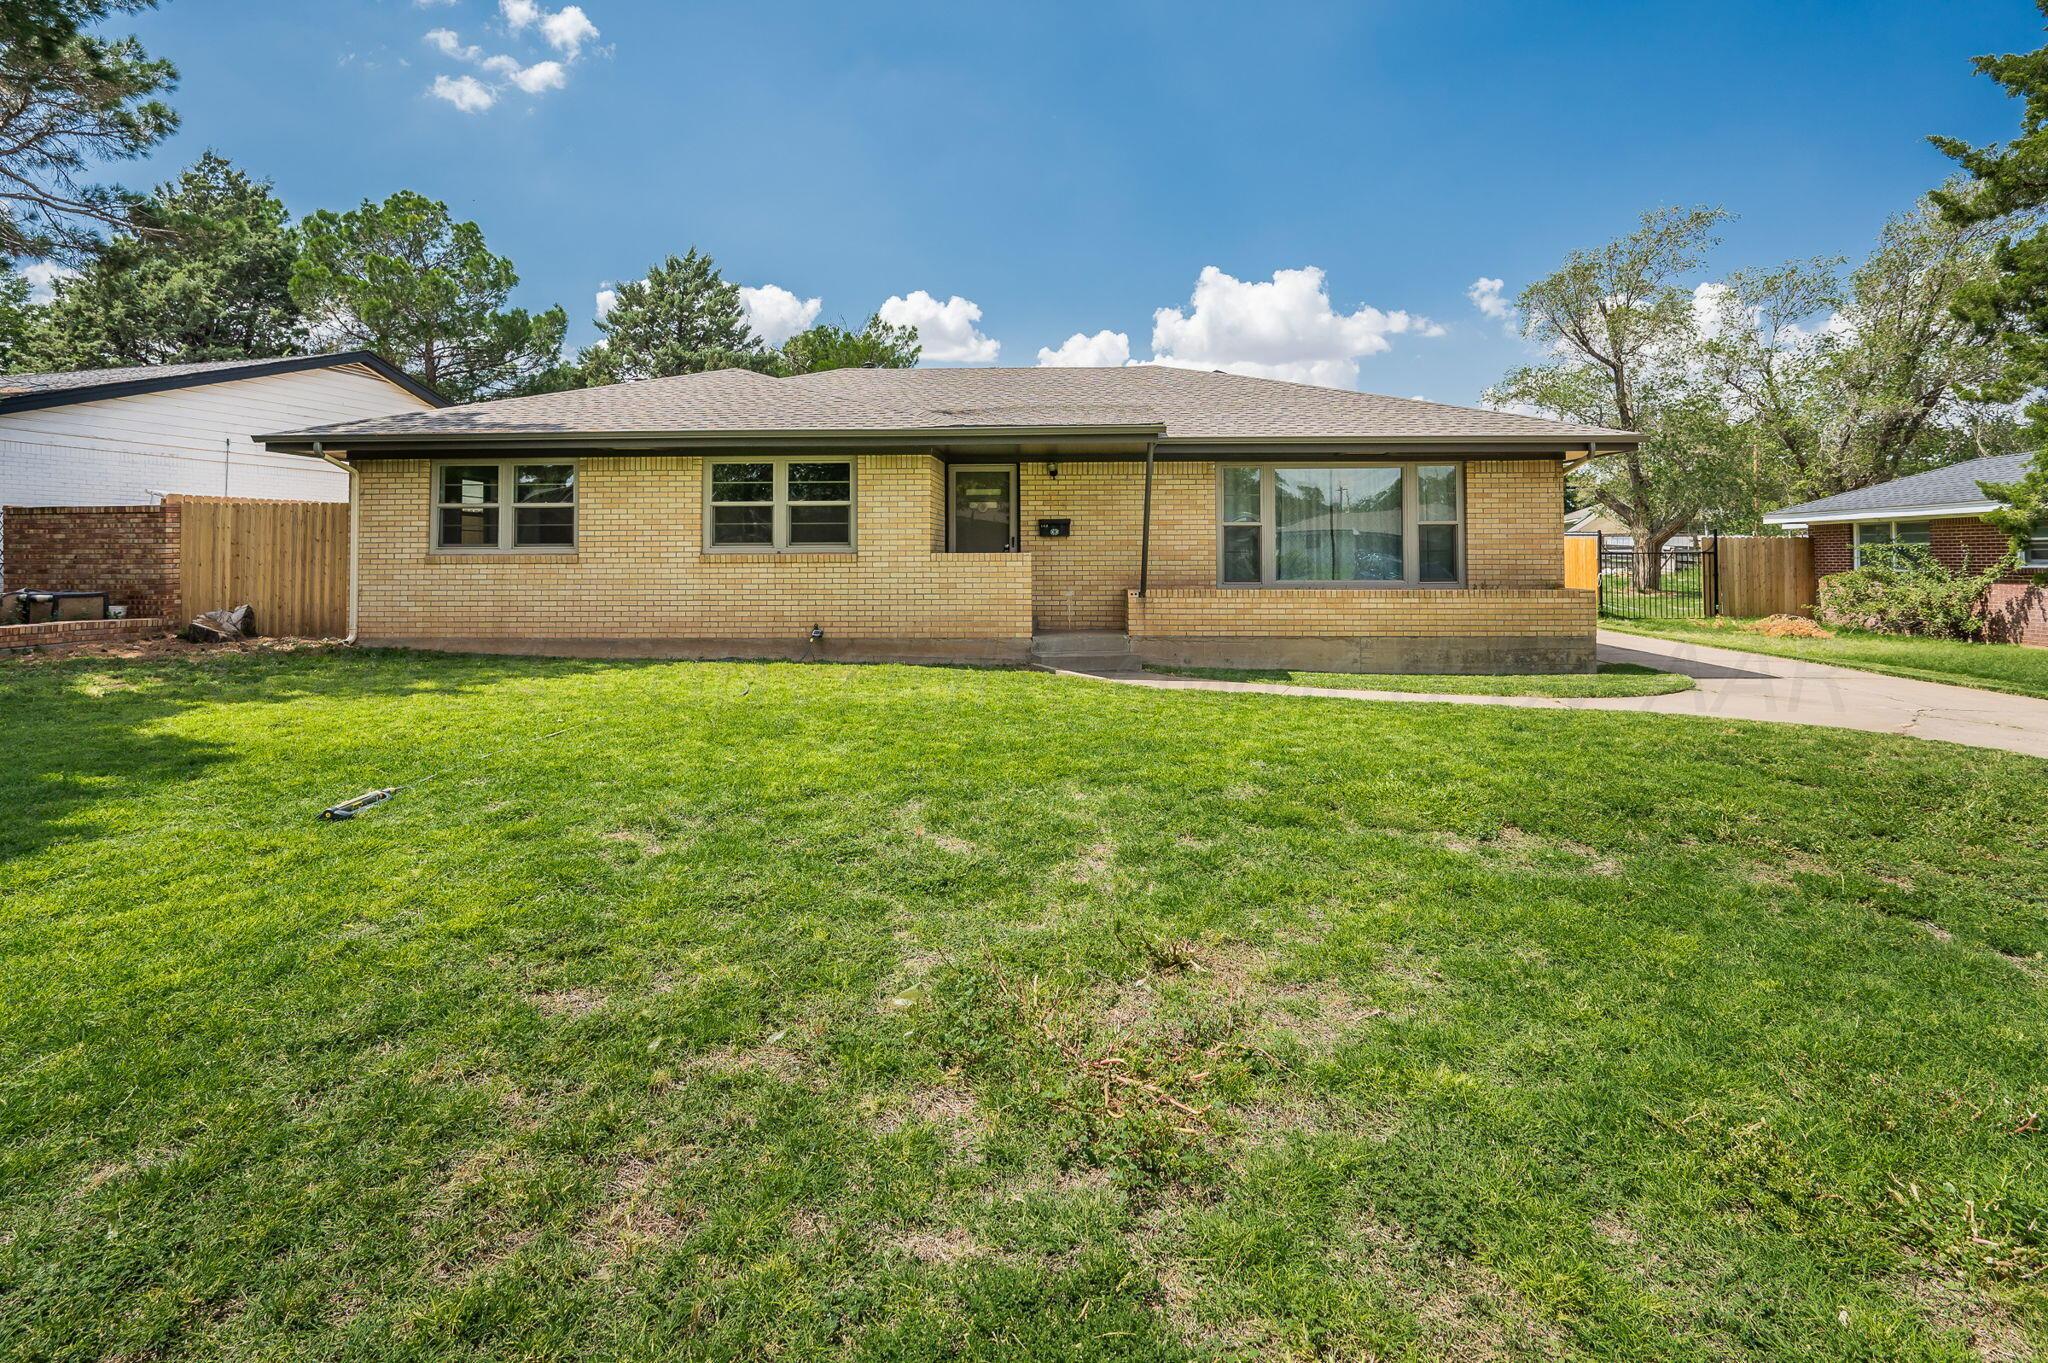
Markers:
1994,667
745,1011
1613,679
1678,594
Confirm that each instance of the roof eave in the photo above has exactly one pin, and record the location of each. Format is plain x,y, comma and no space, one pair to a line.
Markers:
290,364
302,442
1793,517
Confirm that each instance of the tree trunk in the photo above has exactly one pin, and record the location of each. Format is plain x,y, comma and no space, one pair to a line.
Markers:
1646,560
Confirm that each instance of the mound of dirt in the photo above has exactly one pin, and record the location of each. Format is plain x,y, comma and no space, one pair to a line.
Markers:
1790,627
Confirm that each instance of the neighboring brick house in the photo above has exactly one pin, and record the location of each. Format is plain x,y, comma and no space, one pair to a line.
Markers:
1181,515
1943,510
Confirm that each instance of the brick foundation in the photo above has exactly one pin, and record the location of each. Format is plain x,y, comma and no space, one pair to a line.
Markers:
128,552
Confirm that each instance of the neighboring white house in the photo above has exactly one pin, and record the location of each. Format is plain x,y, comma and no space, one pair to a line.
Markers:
124,437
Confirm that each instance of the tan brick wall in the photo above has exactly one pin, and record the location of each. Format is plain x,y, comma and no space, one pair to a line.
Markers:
639,570
1080,583
1304,612
1514,523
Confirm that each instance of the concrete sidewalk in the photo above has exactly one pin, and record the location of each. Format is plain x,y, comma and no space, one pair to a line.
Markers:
1735,685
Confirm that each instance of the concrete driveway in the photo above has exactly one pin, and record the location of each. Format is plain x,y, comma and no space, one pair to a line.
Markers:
1735,685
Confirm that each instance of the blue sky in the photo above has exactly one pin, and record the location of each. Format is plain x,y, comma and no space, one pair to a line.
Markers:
1075,168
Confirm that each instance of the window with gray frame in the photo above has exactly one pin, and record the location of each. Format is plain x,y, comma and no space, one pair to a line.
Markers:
1892,539
2037,547
502,505
1341,524
779,505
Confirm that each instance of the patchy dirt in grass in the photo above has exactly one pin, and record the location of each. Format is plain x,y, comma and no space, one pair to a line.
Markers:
566,1002
1937,931
776,1062
912,815
948,1109
637,838
1989,1329
935,1245
635,1214
1463,1309
2033,967
1520,849
1610,1227
1093,865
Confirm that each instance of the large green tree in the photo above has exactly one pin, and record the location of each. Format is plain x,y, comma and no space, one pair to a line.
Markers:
1623,341
2006,189
1842,382
405,280
878,345
682,318
204,274
68,99
23,332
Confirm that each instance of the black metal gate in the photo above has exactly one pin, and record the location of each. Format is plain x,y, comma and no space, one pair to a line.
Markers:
1677,582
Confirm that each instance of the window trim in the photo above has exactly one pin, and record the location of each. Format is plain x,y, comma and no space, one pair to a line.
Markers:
1411,539
1892,527
779,504
2031,559
508,508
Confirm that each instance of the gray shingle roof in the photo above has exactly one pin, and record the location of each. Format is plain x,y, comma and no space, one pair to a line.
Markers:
20,392
1955,485
1177,404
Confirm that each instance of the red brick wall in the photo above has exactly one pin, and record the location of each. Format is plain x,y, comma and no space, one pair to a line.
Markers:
2016,610
1833,551
128,552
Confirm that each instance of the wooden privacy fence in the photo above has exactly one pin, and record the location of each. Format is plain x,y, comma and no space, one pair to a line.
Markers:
1765,574
288,561
1582,562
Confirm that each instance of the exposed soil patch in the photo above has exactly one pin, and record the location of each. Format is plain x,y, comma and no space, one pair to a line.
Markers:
1464,1309
158,646
949,1110
771,1060
642,840
935,1246
913,816
1989,1328
1610,1227
1937,931
566,1002
1094,864
634,1215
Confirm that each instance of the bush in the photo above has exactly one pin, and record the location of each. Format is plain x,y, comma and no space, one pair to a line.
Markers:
1901,589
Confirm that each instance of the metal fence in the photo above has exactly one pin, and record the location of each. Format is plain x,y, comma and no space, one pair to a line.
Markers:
1672,583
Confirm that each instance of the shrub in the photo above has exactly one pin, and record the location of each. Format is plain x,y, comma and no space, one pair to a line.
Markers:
1901,589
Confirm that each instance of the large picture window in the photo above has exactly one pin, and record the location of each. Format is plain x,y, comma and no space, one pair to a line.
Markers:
794,505
1348,524
503,505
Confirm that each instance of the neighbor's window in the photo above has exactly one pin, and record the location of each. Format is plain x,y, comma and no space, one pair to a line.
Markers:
1390,524
2037,546
1891,537
505,504
780,504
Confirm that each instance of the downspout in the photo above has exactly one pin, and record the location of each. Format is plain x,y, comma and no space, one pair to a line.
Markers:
355,539
1145,525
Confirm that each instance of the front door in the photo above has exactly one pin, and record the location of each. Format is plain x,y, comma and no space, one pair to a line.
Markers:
981,508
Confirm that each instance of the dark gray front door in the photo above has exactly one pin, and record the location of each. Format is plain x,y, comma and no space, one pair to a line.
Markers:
982,508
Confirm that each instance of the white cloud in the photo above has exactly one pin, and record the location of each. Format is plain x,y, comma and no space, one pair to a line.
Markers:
1104,350
42,277
466,93
1282,328
430,4
1488,296
449,44
535,79
565,30
607,299
776,314
946,330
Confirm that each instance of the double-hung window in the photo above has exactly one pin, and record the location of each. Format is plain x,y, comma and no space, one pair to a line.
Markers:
779,505
2037,547
505,505
1341,525
1875,539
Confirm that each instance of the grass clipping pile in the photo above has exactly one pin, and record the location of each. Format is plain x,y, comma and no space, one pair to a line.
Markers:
1790,627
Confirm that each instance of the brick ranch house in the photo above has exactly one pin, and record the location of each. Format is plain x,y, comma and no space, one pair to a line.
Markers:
1187,517
1943,510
